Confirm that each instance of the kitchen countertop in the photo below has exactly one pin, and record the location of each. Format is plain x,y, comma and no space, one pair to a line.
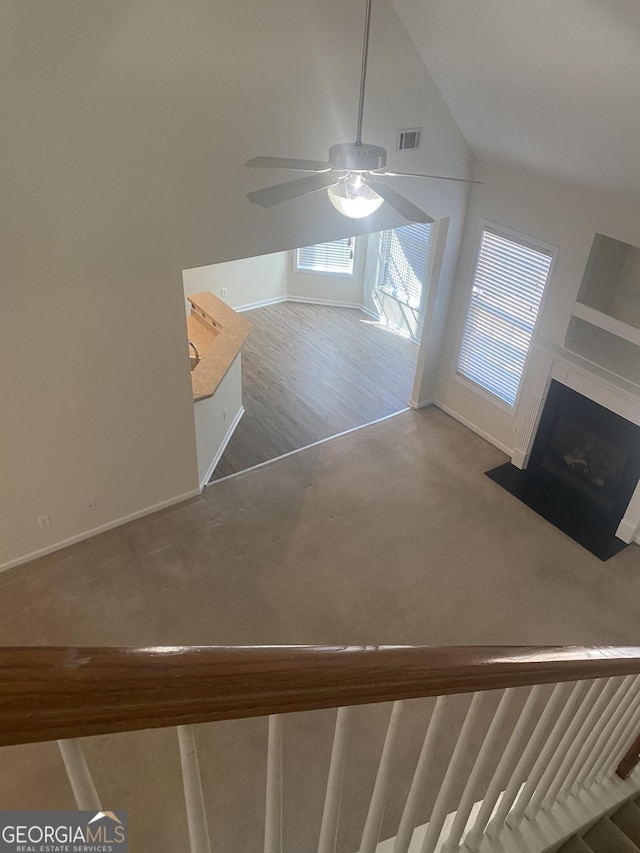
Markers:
219,333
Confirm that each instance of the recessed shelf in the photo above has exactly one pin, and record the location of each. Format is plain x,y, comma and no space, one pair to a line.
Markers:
605,326
608,323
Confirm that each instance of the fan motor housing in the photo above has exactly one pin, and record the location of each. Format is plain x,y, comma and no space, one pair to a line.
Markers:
354,157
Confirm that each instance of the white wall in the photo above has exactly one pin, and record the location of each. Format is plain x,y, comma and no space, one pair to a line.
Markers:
248,281
129,123
215,416
544,210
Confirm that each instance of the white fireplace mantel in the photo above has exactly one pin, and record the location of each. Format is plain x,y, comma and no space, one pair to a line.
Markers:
617,396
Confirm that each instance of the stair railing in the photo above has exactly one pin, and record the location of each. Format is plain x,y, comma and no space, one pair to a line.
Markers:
567,749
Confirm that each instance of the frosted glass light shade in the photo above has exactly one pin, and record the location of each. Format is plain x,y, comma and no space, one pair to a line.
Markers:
353,198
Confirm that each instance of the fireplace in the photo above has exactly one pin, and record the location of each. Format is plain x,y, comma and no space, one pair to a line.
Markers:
583,469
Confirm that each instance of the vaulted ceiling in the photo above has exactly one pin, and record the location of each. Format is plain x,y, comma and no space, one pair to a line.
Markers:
552,86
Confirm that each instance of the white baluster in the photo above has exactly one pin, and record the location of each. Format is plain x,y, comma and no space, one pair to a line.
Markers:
193,796
630,705
371,831
421,776
559,761
333,796
523,767
546,754
80,779
453,773
273,809
628,735
613,733
508,760
590,719
485,756
597,738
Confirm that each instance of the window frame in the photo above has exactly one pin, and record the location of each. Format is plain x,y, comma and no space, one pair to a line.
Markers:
531,243
305,271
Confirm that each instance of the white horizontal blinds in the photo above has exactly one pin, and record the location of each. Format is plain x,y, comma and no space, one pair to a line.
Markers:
507,290
335,257
402,257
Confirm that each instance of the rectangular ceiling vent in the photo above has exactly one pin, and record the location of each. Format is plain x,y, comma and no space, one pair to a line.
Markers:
409,138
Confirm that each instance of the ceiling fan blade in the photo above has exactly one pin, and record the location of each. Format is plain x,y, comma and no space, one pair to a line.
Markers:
269,196
434,177
404,207
289,163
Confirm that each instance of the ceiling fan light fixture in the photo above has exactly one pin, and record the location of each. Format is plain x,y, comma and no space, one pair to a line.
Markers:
353,198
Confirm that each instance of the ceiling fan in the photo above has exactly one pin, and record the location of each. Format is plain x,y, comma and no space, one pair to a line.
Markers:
352,173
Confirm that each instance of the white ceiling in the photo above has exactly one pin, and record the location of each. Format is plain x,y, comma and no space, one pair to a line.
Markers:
548,85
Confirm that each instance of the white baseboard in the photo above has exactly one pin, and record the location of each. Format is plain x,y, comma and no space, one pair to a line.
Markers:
627,532
261,304
309,301
222,448
421,404
490,438
102,528
331,302
519,459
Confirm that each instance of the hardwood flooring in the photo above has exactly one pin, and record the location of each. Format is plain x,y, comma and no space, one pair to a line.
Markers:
310,372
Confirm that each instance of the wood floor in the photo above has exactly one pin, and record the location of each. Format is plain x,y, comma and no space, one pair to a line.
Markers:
310,372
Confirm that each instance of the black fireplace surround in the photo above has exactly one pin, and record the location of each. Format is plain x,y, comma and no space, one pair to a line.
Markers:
582,472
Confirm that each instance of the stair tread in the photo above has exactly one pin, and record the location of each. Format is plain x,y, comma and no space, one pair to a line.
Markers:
606,837
627,818
575,845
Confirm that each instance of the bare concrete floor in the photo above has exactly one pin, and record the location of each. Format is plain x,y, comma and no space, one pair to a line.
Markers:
391,534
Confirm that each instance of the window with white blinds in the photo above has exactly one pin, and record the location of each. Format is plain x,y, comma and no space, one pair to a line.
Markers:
335,257
507,290
402,257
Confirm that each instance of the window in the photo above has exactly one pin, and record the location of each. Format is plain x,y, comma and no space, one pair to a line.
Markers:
507,290
400,272
335,258
402,257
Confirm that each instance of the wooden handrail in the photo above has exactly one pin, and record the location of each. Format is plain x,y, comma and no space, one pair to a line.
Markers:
630,760
54,693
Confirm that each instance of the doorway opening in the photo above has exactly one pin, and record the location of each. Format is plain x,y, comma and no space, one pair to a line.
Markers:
334,345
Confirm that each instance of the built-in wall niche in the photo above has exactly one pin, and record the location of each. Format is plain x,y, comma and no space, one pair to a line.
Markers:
605,327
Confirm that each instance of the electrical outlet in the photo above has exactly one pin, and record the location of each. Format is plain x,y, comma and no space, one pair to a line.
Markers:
90,505
44,521
224,291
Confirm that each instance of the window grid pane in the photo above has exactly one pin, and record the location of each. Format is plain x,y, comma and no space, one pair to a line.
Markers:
505,299
335,257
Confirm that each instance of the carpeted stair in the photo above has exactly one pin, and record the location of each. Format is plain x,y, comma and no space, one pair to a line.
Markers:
617,833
